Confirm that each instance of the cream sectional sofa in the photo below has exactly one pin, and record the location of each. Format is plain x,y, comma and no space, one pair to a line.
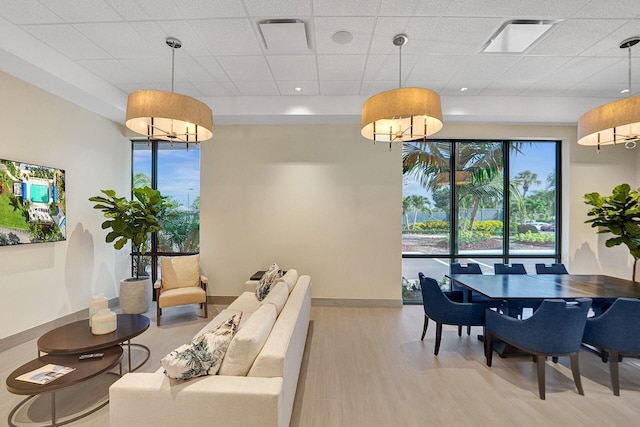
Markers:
264,397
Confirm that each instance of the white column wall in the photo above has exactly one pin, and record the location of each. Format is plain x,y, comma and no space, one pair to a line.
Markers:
45,281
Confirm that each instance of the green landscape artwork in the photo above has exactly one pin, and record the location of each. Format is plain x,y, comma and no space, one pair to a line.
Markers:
32,203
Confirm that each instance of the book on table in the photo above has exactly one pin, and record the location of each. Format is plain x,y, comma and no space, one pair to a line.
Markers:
45,374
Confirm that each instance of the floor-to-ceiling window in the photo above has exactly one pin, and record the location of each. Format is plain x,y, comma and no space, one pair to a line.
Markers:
478,201
174,169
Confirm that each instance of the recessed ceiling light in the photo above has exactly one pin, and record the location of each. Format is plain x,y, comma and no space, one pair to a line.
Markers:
624,91
517,35
342,37
464,89
298,89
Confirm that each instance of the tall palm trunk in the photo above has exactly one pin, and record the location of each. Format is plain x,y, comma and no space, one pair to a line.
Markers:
474,211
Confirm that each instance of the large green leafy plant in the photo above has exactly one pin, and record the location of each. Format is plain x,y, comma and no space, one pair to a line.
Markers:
132,220
618,214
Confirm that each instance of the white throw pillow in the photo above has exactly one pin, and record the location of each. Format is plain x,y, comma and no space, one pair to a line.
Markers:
203,355
267,280
277,296
248,342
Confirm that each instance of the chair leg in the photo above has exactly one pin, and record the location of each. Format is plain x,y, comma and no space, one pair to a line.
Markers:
575,370
206,310
438,337
459,330
540,361
488,347
554,359
469,330
424,328
613,368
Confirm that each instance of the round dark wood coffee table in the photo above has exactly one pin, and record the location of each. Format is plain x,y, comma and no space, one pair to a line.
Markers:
76,337
83,371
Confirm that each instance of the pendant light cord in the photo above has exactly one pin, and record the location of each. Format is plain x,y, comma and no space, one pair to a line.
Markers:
173,64
629,92
400,67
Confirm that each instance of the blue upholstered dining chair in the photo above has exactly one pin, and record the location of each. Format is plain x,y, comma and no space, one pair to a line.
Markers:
615,331
470,268
509,269
516,307
555,268
555,329
444,311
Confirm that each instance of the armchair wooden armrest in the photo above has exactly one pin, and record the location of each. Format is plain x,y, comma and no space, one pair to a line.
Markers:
157,284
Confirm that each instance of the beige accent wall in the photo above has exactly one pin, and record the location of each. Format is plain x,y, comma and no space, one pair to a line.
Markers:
317,198
46,281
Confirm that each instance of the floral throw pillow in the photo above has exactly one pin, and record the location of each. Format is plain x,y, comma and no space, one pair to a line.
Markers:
267,280
204,354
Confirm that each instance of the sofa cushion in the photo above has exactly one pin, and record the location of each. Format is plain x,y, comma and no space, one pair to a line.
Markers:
277,296
248,342
246,302
180,271
203,355
290,278
267,280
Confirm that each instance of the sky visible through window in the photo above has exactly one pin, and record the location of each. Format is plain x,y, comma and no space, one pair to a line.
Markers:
178,172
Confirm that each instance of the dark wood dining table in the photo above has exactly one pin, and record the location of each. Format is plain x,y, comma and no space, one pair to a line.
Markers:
547,286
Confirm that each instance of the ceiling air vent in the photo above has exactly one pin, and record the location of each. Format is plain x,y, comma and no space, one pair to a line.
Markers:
284,36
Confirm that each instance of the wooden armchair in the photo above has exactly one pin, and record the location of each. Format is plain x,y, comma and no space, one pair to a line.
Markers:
180,283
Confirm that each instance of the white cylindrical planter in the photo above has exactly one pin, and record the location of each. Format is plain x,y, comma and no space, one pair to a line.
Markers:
135,295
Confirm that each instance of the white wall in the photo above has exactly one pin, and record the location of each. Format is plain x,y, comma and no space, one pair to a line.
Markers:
317,198
45,281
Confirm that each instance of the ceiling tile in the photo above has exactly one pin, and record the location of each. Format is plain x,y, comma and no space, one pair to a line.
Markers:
288,88
610,9
456,36
418,30
228,36
217,89
246,68
345,8
578,69
474,87
204,9
263,88
279,9
502,88
121,40
360,28
214,69
533,68
572,37
387,67
152,70
437,67
129,10
28,12
515,9
413,7
340,88
111,70
163,10
293,67
341,67
485,67
83,10
68,41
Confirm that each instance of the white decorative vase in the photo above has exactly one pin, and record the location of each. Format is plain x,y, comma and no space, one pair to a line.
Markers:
135,295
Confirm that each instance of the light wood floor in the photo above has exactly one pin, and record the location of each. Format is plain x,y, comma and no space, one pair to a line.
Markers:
368,367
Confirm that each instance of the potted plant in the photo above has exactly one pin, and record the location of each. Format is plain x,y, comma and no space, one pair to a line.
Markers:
132,221
618,214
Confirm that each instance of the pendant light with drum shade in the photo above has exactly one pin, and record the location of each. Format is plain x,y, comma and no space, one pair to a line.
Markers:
615,122
403,114
169,116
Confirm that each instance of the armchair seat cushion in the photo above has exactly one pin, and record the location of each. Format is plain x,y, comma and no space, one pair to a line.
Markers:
181,296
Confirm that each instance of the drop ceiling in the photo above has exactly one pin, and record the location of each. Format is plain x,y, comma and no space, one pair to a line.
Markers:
94,52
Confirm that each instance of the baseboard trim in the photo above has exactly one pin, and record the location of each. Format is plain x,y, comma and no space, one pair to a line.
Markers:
37,331
349,302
